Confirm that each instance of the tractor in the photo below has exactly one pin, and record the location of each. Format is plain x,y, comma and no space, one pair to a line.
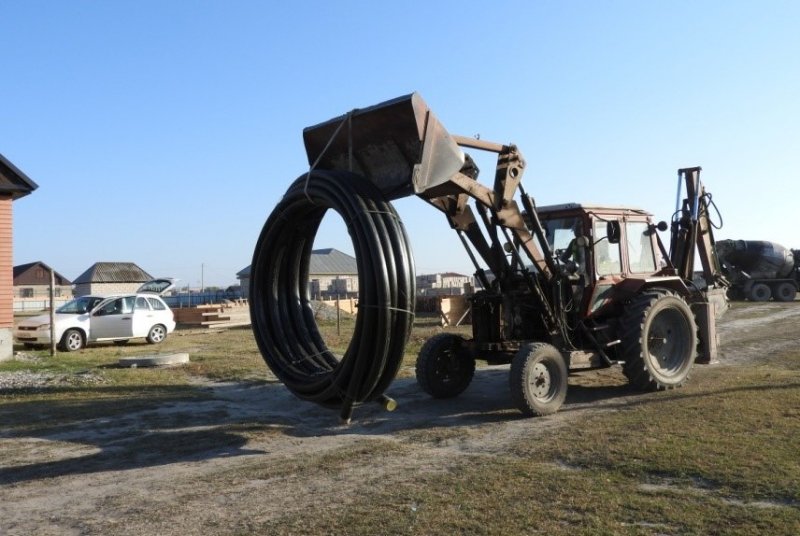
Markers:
563,288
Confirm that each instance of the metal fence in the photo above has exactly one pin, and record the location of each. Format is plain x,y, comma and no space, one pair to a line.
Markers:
22,305
194,299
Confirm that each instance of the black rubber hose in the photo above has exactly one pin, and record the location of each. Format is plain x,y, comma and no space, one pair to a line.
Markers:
282,317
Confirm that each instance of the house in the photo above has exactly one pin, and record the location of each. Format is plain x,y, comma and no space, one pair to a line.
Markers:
331,273
447,283
13,185
243,276
32,280
111,278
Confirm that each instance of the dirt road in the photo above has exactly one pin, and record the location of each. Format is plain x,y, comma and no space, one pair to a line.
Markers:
187,466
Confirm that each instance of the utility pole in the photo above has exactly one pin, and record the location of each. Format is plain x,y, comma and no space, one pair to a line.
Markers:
52,312
202,277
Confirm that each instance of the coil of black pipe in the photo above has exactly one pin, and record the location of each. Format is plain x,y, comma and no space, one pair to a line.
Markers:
281,313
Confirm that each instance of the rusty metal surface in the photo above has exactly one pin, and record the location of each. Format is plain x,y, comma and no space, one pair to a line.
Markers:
399,145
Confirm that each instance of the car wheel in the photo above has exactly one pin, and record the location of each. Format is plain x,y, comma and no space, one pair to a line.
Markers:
157,334
72,340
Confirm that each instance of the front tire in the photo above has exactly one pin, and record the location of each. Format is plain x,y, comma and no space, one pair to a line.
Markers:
157,334
659,341
444,367
72,340
538,379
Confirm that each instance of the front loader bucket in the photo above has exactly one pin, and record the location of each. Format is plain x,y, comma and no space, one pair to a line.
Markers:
399,145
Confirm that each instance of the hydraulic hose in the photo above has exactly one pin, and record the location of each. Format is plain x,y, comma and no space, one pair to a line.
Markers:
282,317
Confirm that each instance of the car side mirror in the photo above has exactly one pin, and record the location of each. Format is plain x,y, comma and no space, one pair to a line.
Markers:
662,226
613,232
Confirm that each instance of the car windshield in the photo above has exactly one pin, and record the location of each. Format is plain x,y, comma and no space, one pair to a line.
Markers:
79,306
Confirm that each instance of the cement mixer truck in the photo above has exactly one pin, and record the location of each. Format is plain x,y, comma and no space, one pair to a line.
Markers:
759,270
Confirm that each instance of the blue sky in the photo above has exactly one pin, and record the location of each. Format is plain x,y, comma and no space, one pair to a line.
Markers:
164,132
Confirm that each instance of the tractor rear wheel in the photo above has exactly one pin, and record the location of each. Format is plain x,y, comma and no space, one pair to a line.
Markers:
659,341
785,292
444,366
538,379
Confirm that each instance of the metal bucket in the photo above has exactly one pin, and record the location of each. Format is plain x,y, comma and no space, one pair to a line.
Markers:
399,145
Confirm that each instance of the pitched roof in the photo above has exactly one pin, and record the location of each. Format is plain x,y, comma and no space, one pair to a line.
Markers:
21,269
328,261
331,261
13,181
113,272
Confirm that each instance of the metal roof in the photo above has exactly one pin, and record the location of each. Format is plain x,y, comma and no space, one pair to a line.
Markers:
328,261
113,272
590,207
20,269
331,261
13,181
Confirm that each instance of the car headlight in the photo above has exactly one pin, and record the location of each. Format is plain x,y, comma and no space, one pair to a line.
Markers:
43,327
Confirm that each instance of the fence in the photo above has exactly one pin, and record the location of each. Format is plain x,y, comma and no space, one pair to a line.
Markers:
193,299
22,305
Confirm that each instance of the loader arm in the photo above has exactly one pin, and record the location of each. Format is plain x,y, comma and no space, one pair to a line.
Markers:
499,211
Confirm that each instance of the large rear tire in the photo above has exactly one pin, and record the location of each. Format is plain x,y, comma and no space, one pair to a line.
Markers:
659,341
538,379
444,367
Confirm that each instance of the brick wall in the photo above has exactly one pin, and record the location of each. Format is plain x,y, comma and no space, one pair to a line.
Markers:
6,265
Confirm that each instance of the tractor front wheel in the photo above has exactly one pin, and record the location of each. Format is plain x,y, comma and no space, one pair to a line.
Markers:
538,379
659,341
444,366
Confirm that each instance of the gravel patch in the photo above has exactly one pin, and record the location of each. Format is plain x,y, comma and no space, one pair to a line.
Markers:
45,380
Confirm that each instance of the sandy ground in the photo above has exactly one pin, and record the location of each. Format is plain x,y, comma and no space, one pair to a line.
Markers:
74,480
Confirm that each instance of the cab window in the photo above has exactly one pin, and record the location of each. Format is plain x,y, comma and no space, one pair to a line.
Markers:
560,231
607,259
640,247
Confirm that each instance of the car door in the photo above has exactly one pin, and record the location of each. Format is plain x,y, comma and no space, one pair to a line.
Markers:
112,319
143,317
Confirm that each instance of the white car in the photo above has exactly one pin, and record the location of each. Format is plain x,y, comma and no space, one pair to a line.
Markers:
117,318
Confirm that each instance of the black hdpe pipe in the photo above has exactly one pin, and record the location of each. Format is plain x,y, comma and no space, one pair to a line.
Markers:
282,317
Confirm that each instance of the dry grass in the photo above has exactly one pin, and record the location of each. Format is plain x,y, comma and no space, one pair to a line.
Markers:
719,456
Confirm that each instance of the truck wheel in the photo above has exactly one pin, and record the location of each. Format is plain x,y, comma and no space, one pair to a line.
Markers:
785,292
444,367
72,340
659,341
538,379
760,292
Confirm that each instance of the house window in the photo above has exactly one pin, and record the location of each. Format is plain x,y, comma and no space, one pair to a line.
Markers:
26,293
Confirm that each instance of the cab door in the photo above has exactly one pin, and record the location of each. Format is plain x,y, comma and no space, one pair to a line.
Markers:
112,319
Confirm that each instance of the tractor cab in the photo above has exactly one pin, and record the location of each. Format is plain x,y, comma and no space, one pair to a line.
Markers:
599,247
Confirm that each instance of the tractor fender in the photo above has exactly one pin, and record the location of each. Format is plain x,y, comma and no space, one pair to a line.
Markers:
632,286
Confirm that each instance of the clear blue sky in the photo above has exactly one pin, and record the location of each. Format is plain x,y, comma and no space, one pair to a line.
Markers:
164,132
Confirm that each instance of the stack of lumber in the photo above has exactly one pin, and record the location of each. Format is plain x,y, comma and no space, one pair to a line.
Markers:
223,315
